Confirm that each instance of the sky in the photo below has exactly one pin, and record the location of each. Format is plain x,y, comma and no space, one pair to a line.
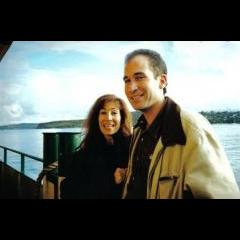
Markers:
42,81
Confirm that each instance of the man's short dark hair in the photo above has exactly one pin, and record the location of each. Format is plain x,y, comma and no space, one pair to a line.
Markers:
156,61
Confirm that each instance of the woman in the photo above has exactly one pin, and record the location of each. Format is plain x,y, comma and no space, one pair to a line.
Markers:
98,167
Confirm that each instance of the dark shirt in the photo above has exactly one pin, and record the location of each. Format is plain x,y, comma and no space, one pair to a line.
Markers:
137,187
92,173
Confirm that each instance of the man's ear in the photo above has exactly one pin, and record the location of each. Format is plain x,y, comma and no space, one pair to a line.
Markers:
163,81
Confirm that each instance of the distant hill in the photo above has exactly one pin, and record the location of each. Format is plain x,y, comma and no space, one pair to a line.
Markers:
76,123
212,116
62,124
20,126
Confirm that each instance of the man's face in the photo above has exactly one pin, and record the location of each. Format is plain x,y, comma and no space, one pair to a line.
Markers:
141,87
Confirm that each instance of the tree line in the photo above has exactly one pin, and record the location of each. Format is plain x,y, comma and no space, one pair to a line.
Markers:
222,117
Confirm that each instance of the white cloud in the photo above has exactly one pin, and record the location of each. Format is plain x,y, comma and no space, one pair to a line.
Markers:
68,91
112,51
202,76
206,75
14,110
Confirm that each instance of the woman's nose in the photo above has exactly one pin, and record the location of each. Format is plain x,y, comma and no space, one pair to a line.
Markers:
109,116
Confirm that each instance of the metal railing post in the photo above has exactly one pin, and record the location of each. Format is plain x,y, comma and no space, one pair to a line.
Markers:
5,156
22,163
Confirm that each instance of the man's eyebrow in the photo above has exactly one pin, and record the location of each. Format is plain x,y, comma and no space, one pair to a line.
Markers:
135,74
138,73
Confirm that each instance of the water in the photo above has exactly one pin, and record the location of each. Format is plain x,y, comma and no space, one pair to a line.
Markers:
229,135
30,141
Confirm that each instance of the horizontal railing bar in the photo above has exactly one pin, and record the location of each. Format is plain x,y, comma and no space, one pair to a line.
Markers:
21,153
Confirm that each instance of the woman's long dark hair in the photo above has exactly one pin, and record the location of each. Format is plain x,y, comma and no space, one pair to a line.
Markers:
94,138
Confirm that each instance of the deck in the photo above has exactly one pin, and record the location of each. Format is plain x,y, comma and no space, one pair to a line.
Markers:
15,185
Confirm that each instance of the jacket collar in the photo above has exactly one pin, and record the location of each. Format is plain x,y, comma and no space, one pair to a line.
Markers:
172,126
171,130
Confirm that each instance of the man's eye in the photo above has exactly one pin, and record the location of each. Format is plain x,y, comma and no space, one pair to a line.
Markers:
140,77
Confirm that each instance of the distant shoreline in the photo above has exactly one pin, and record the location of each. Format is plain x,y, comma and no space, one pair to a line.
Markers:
214,117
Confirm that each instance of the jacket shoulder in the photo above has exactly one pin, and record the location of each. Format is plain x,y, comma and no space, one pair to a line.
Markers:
193,121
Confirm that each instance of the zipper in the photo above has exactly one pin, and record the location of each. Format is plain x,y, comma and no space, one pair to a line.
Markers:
158,158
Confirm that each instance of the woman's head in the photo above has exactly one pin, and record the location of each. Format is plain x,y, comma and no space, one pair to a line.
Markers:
109,115
109,118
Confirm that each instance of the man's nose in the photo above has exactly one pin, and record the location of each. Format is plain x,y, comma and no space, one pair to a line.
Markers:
132,86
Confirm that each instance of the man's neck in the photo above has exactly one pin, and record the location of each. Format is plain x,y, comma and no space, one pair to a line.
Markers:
151,113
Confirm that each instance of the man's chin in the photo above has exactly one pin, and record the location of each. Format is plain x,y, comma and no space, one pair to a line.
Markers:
139,108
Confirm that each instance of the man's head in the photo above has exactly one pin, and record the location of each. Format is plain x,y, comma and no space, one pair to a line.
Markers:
145,77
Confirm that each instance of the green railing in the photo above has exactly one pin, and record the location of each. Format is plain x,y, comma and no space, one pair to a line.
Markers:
23,155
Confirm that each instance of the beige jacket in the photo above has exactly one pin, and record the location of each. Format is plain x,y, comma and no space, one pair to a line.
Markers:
199,168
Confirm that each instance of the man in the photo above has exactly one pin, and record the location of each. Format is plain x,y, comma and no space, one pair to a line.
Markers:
174,154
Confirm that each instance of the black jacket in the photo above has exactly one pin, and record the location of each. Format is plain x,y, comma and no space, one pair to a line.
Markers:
91,174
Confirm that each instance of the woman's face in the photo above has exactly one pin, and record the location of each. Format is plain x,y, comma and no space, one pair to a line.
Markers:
109,118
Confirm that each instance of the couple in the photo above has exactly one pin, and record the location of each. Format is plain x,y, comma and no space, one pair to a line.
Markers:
172,153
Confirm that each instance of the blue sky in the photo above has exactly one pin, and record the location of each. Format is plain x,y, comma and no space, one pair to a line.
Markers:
48,81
